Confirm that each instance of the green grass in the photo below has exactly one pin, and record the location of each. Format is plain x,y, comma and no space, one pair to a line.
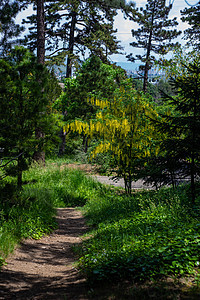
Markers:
31,211
23,217
64,187
145,236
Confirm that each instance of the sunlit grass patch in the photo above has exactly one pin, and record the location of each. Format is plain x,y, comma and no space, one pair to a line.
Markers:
64,186
147,235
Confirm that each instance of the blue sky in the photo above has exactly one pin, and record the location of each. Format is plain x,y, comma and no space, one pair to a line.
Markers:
124,27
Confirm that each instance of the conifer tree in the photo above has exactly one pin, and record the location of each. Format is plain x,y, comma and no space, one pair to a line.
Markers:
21,105
9,30
153,34
71,27
182,128
192,34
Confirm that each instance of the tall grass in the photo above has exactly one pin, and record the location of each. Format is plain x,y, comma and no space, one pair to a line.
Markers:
63,186
23,217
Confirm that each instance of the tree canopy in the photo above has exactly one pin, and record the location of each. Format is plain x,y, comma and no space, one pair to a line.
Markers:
191,15
153,35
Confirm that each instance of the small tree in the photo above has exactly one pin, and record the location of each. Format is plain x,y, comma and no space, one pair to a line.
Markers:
21,105
183,128
124,129
93,79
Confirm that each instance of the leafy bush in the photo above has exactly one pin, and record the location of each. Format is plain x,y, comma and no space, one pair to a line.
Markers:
143,236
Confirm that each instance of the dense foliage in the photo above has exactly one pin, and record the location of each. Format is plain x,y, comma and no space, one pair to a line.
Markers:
93,79
27,91
180,124
192,33
9,30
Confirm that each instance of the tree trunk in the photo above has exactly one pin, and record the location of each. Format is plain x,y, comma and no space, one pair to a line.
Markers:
63,141
193,179
71,45
40,156
68,73
146,68
85,143
40,32
193,152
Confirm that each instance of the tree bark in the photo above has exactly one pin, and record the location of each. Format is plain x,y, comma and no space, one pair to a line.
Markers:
193,152
38,155
63,142
146,70
40,32
71,45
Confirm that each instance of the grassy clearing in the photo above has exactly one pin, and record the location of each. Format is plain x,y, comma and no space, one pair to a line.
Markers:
62,186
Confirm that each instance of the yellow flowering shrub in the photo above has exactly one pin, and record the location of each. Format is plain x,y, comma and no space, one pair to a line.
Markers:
123,126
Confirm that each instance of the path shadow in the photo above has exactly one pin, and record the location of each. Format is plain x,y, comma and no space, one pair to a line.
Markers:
34,287
44,269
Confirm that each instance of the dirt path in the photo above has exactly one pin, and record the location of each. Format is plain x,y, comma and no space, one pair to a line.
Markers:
43,269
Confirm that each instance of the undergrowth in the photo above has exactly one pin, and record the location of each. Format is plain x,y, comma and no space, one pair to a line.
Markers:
145,236
23,217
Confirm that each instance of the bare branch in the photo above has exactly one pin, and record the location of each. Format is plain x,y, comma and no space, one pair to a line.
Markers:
15,158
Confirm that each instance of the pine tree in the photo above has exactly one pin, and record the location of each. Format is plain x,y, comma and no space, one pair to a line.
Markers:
153,35
182,141
71,27
192,34
9,30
